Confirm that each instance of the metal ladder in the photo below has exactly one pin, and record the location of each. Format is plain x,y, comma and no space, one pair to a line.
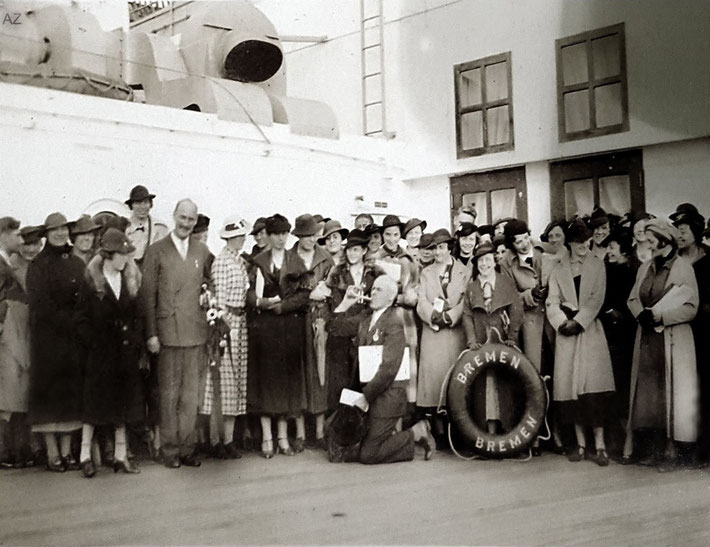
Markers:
373,73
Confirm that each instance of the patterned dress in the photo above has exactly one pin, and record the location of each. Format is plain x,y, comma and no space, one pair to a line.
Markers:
231,281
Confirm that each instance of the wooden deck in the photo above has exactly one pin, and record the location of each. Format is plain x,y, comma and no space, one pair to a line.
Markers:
306,500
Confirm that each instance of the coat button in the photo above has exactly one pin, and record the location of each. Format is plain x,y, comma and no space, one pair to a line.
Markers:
125,342
124,328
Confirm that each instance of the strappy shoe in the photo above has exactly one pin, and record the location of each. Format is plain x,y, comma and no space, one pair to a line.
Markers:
287,451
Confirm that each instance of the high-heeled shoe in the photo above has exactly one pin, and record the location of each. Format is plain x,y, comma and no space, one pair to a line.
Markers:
126,466
267,453
70,463
88,468
56,465
287,451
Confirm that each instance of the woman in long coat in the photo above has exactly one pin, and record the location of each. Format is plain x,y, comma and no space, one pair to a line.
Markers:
56,380
280,299
341,351
492,302
108,326
584,381
440,307
664,378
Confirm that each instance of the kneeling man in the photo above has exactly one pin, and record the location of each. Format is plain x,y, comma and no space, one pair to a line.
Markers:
384,398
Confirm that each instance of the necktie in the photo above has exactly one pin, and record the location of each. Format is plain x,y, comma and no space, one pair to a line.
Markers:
487,295
139,229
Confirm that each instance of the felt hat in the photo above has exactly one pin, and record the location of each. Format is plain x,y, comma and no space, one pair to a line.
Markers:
373,229
138,193
684,209
357,237
202,224
441,235
578,232
234,226
392,220
259,225
466,229
412,223
31,234
687,213
321,218
545,236
599,217
426,241
277,224
331,227
623,237
55,220
515,227
483,248
306,225
498,240
83,225
115,241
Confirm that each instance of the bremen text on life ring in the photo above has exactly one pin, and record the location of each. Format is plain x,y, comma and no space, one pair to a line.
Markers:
468,367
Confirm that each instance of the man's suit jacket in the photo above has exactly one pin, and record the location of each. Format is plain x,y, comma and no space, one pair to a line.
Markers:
387,397
171,293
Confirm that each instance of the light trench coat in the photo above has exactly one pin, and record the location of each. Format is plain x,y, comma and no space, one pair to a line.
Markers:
439,348
681,373
582,362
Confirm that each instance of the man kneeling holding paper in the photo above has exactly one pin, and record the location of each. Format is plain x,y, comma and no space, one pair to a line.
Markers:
384,372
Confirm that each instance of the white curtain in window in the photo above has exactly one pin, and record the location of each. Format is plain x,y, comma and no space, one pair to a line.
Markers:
615,194
498,125
503,204
579,197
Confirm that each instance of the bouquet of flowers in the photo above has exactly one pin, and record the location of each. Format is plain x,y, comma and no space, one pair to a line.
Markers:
218,337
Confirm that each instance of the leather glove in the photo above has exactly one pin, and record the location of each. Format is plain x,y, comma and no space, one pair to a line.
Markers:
539,293
575,328
645,318
437,318
566,328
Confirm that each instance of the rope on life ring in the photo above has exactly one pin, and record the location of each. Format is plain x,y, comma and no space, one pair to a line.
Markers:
459,381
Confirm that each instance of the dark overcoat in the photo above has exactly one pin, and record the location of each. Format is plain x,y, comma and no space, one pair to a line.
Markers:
111,333
276,382
53,280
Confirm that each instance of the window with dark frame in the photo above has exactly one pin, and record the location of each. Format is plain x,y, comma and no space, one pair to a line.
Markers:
484,106
592,97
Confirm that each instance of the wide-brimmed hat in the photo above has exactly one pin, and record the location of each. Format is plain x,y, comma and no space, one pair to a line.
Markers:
277,224
83,225
139,193
684,209
259,225
234,226
392,220
115,241
599,217
578,232
202,224
426,241
662,228
413,223
31,234
306,226
357,237
545,236
483,248
486,229
442,235
465,229
331,227
54,221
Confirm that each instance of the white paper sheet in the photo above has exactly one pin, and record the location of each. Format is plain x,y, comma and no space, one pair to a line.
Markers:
370,359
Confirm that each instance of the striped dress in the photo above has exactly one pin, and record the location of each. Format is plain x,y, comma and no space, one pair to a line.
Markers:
231,281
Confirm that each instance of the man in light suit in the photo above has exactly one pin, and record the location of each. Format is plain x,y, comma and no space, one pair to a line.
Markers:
174,271
383,398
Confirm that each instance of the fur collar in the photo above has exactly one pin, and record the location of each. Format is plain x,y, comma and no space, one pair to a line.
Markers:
131,276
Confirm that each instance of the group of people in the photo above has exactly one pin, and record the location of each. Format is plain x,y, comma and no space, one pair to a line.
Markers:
106,334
